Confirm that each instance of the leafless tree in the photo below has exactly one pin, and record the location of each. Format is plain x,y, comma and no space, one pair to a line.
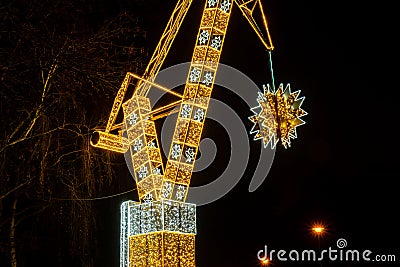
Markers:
57,69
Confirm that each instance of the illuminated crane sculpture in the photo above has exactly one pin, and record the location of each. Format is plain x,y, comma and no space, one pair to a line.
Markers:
160,229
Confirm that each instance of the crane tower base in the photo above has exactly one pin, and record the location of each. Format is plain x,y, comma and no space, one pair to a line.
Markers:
157,233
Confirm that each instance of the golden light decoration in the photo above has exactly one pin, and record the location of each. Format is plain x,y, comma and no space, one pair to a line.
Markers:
265,262
277,116
160,229
196,97
158,233
162,249
318,229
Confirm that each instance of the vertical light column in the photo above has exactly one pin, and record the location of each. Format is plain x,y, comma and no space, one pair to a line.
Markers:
197,93
143,147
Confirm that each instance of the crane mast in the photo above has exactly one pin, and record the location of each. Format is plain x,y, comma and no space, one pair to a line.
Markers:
196,96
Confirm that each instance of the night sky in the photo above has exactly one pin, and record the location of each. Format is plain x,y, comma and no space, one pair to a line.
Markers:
341,170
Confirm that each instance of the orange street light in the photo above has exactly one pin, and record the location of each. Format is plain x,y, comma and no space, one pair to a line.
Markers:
318,229
265,262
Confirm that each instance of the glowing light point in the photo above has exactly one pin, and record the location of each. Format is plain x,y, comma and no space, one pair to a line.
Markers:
133,118
157,171
148,198
212,3
152,144
199,115
167,189
189,154
180,192
176,151
204,36
265,261
185,112
225,5
216,42
194,75
318,229
208,78
142,173
137,146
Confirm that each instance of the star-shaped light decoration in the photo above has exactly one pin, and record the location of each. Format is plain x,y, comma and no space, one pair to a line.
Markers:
277,116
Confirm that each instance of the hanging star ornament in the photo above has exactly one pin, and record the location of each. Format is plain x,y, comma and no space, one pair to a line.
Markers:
277,116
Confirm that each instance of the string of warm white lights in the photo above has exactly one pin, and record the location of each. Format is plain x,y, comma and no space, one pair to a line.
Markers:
95,198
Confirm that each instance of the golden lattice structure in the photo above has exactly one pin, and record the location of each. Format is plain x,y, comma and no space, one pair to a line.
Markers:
160,229
196,96
144,147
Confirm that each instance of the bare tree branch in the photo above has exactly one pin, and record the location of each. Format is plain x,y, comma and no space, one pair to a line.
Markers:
14,189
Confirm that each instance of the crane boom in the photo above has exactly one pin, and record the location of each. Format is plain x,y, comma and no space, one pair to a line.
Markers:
164,45
115,142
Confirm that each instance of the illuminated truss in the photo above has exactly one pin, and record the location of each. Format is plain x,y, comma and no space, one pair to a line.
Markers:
277,116
196,96
144,147
114,141
248,7
160,229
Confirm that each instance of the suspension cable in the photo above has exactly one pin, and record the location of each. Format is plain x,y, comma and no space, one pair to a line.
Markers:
271,70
